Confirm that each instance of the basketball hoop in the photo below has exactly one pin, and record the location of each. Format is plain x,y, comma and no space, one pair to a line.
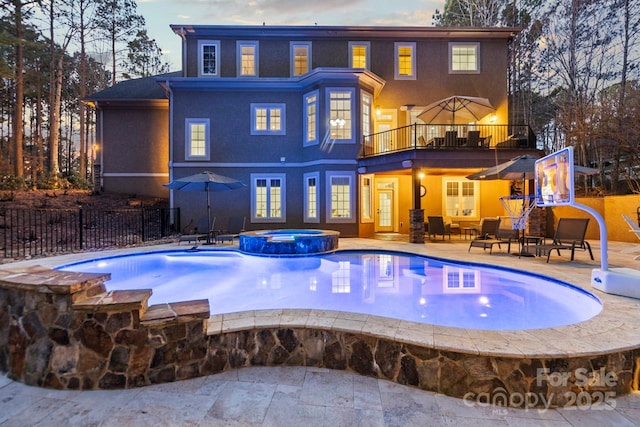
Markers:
518,208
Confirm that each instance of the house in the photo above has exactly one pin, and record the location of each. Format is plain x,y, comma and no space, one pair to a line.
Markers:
322,123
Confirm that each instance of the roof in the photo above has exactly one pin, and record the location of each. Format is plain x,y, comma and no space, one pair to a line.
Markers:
356,32
142,89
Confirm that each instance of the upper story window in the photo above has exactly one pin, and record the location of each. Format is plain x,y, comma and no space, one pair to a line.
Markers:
405,61
359,54
208,58
367,108
464,58
268,119
300,58
197,139
341,110
247,58
311,118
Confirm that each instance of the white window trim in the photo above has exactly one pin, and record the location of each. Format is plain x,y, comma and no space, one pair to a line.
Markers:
292,63
187,139
268,131
314,140
477,46
283,188
367,48
476,192
305,213
363,126
396,60
328,91
370,202
352,195
201,44
239,45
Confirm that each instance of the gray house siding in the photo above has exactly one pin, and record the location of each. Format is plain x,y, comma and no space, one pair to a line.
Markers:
132,150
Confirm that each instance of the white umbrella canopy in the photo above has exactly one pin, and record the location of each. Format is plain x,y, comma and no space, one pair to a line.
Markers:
207,182
462,108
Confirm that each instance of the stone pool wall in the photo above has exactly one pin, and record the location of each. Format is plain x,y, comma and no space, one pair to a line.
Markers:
63,330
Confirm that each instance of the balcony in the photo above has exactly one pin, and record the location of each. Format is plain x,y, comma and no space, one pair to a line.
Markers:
448,137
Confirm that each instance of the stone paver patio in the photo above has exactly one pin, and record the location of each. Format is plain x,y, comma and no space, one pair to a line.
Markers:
314,396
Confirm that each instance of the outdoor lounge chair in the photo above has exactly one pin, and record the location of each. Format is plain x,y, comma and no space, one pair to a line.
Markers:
504,234
486,229
200,232
437,226
236,225
633,227
569,235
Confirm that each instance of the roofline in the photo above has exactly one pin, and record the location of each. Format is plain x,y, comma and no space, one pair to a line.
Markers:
373,32
103,102
279,83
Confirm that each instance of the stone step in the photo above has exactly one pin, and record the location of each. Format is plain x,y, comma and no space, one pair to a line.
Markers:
120,300
185,311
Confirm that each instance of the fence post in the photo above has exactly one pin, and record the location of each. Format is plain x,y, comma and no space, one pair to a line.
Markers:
81,228
144,239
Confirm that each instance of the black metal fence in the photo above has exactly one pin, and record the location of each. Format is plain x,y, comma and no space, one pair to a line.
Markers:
30,232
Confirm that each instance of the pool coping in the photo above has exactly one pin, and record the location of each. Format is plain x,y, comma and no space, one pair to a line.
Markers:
613,330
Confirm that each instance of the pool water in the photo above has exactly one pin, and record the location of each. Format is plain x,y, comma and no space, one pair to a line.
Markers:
389,284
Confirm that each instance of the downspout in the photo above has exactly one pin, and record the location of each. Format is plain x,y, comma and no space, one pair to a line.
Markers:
184,51
101,143
170,165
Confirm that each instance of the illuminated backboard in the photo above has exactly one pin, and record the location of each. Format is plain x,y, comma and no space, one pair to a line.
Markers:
554,179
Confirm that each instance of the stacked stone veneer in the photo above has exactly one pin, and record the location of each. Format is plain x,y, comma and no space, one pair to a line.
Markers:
62,330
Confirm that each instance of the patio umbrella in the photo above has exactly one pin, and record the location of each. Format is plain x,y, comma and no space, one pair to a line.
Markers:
207,182
520,168
467,108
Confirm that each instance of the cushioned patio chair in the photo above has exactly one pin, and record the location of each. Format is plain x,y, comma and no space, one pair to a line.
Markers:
200,232
569,235
437,227
236,226
504,234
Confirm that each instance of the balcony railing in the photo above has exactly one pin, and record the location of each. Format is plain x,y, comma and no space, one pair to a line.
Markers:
448,137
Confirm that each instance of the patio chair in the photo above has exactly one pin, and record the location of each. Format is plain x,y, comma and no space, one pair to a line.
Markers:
437,226
473,139
200,232
486,229
633,228
504,233
236,226
569,235
450,138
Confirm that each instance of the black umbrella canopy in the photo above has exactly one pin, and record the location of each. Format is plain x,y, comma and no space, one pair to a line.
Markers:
207,182
463,108
521,167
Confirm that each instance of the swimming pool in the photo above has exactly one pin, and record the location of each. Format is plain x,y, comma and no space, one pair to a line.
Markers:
388,284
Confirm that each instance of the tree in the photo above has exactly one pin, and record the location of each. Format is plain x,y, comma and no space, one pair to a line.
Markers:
144,57
470,13
18,10
119,21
